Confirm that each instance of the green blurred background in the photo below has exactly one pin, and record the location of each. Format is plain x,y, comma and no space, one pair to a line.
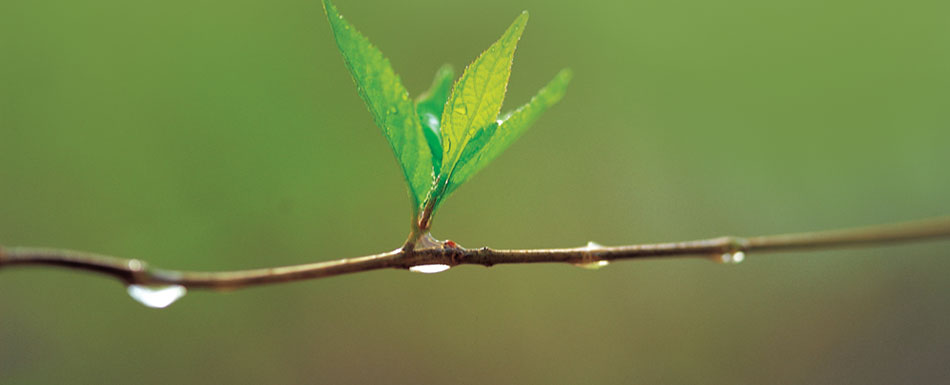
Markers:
215,135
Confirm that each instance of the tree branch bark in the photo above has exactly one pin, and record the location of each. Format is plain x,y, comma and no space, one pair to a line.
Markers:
427,251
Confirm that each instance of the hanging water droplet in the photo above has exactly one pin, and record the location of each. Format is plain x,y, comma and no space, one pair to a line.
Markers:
429,269
156,296
593,265
392,110
590,262
730,258
738,257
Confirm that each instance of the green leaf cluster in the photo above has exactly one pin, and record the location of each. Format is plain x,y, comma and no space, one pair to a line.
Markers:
453,130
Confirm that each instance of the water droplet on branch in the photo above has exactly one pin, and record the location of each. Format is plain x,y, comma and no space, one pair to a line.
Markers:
730,258
594,245
429,269
592,265
156,296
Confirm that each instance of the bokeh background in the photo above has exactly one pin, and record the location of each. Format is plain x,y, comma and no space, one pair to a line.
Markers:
213,135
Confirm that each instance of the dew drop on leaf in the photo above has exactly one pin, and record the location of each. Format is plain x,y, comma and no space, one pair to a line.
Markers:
429,269
432,122
157,297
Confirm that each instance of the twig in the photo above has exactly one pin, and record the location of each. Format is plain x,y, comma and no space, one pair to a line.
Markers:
427,251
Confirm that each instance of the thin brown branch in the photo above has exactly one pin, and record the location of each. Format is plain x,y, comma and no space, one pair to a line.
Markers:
426,251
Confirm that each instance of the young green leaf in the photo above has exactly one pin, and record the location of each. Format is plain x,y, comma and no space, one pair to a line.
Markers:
388,101
495,138
429,107
477,96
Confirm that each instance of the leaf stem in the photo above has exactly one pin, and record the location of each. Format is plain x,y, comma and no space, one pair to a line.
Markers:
422,249
431,201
